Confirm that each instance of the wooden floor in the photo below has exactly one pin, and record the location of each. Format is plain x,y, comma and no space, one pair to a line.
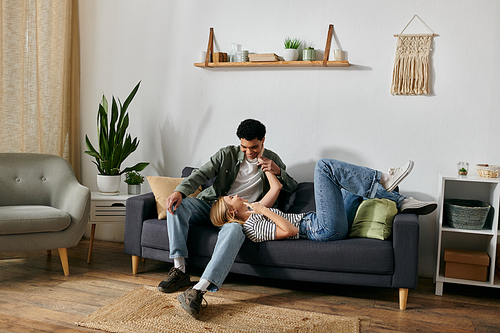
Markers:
35,296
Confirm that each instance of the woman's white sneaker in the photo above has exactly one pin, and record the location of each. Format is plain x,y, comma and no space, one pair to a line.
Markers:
396,176
414,206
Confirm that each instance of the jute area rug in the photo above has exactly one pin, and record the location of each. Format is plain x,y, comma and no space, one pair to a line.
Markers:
146,309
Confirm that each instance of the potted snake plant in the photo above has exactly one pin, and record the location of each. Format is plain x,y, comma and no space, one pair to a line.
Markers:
114,144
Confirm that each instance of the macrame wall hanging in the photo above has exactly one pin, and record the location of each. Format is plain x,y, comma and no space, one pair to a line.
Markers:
410,74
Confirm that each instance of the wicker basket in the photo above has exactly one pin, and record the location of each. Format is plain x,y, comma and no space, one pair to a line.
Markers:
490,171
466,214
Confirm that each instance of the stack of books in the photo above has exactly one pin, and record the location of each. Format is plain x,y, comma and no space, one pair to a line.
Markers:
263,57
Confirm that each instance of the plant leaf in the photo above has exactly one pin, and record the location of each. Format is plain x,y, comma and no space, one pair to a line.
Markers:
138,167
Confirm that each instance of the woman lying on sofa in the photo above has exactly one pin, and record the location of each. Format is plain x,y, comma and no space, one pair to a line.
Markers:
329,222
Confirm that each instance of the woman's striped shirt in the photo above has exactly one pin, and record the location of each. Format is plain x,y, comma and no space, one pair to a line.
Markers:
259,228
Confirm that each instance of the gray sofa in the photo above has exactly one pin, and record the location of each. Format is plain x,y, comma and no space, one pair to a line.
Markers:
42,205
391,263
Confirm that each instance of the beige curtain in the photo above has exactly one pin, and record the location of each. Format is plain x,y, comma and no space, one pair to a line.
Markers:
40,75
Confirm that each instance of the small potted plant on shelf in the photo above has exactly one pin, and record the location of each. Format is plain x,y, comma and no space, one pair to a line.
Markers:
309,54
463,169
134,181
291,52
114,144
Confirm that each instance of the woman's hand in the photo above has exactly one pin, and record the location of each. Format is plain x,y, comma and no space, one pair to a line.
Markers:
268,165
284,228
256,208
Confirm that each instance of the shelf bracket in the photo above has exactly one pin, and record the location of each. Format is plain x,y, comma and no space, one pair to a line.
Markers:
328,45
210,47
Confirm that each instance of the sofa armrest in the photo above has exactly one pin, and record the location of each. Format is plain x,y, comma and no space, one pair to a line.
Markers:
139,208
405,233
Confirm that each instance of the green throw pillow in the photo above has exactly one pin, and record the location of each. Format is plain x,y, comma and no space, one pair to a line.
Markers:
374,219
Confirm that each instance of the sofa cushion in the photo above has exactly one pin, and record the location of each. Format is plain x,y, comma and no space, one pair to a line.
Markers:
186,172
374,219
299,201
25,219
162,187
354,255
154,234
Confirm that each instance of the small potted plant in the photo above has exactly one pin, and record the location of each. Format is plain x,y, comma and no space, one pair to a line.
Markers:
309,54
463,169
291,52
134,181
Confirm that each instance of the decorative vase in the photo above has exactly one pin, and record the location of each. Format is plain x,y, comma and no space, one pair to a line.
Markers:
290,54
231,57
109,185
134,189
309,54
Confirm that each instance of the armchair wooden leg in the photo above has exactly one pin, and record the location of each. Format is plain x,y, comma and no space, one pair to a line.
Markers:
403,298
91,243
49,253
135,264
63,254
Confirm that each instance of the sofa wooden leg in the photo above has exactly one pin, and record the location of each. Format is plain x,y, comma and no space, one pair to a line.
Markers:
49,253
403,298
63,254
135,264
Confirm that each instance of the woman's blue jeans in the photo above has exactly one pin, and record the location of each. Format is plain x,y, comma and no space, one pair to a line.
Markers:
330,222
228,244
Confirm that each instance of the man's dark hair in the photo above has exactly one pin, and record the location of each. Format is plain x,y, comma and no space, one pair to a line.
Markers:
250,129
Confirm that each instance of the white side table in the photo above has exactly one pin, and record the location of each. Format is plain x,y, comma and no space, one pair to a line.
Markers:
106,209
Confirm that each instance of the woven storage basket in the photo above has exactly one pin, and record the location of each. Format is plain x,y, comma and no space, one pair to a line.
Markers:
466,214
490,171
487,173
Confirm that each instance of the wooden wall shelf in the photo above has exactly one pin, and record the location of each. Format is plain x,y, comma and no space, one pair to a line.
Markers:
274,64
322,63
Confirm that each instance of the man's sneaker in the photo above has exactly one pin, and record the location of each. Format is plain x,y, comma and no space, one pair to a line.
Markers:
191,301
175,280
413,206
397,175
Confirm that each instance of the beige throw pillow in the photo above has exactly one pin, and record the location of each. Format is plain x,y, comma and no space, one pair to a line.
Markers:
162,187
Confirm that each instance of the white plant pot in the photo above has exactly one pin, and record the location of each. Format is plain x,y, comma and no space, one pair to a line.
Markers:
290,54
134,189
109,185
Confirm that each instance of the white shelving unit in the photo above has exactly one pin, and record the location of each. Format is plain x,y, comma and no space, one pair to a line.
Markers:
486,239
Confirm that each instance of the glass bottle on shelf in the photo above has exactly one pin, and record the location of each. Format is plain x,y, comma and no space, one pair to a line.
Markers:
232,55
238,53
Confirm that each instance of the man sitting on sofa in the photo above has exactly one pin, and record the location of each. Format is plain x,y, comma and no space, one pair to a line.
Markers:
238,171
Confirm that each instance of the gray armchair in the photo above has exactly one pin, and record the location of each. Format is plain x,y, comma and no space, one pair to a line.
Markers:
42,205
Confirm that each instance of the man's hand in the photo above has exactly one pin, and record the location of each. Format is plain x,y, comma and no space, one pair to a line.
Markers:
269,165
174,199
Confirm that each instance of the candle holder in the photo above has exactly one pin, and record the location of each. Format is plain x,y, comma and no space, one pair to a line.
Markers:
309,54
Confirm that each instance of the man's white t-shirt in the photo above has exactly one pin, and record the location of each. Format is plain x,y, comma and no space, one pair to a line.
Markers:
248,183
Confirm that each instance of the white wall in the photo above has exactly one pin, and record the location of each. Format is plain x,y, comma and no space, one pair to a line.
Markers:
183,114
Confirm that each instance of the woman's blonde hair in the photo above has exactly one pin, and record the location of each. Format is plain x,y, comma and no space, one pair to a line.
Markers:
220,214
